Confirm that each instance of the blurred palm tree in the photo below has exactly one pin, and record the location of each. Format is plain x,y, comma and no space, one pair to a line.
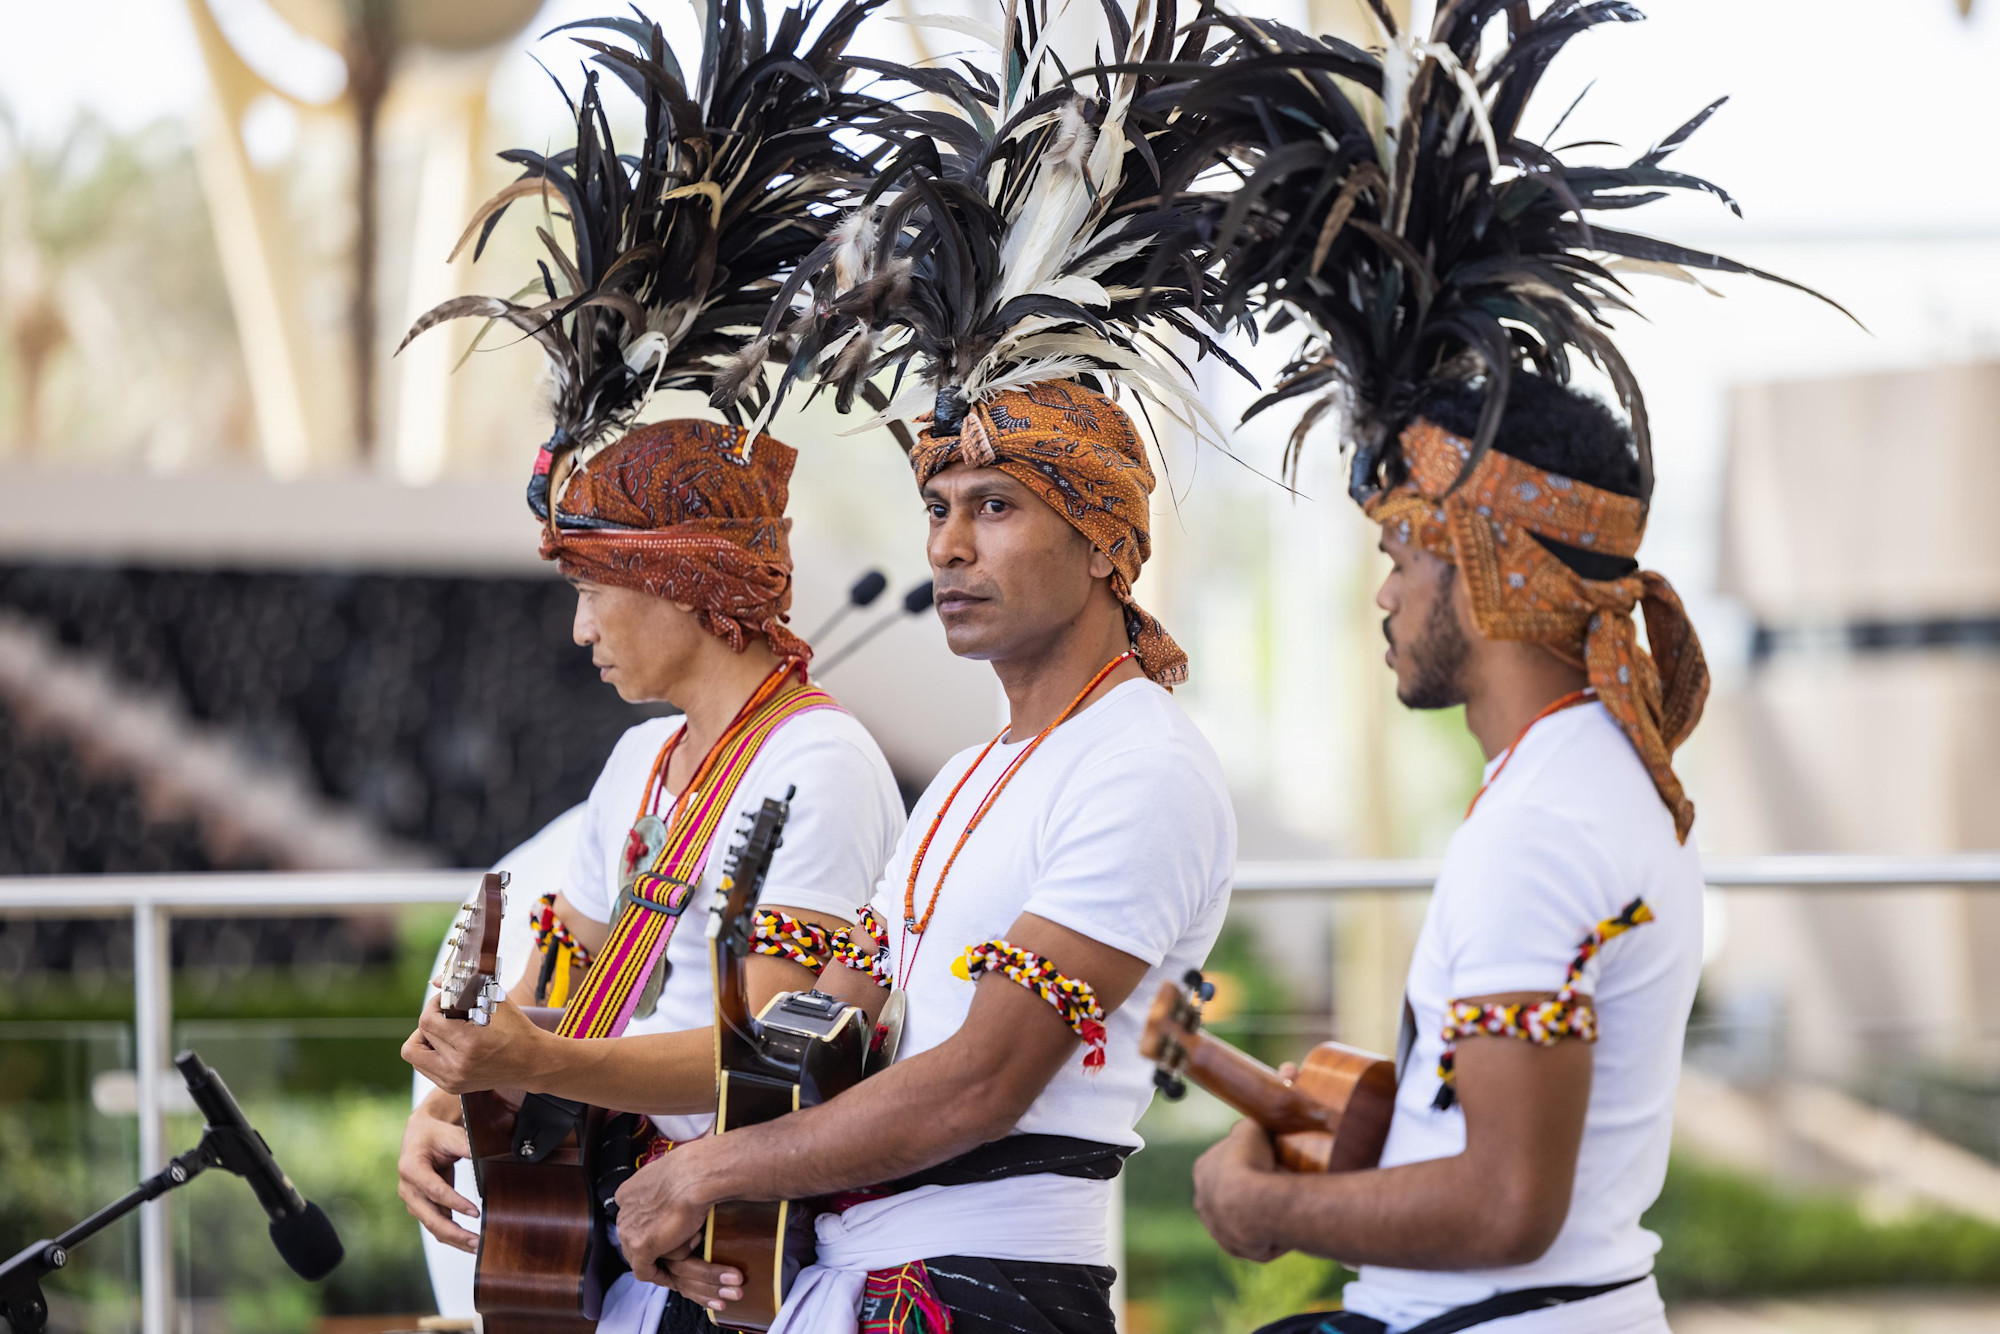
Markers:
116,327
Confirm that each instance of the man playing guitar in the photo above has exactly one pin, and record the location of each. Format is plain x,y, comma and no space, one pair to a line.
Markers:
1085,854
668,624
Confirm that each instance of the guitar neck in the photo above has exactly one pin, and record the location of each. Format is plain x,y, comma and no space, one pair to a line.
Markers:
1254,1089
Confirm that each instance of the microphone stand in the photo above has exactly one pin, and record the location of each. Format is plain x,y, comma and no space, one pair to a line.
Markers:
22,1305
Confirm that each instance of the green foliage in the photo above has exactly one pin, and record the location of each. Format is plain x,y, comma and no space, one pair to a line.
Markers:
1726,1235
1288,1285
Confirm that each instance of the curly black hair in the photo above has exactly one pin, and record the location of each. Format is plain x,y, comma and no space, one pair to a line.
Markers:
1552,426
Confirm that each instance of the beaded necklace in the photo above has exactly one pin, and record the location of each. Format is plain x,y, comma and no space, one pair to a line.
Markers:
656,781
1569,701
914,925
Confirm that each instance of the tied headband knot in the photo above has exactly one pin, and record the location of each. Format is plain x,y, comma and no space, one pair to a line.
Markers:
1520,590
1080,455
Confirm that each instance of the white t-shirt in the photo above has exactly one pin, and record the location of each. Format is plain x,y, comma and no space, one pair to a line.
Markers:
1565,838
1118,827
844,821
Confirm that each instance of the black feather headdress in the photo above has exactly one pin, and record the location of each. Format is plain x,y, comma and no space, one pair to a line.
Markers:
676,252
1391,203
1034,225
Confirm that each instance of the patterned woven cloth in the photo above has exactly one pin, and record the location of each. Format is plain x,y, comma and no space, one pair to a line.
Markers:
1077,451
675,510
1521,591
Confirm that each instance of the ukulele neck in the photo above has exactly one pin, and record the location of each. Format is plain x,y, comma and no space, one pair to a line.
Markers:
1254,1089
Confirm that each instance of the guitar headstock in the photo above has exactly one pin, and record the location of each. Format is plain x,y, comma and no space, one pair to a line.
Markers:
1171,1028
743,874
468,984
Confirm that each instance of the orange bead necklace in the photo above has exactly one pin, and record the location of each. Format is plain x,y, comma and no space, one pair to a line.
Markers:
913,924
1569,701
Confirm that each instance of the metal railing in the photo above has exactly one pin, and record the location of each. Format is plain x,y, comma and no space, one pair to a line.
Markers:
153,900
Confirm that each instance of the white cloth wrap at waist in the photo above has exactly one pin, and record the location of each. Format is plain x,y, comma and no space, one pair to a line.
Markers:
1053,1219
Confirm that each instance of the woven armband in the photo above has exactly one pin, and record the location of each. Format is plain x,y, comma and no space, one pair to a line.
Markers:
871,957
564,959
1073,1000
1544,1023
787,937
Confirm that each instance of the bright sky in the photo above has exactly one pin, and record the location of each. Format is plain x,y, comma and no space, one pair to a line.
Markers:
1847,115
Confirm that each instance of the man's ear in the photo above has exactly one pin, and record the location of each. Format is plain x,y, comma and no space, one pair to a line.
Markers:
1100,565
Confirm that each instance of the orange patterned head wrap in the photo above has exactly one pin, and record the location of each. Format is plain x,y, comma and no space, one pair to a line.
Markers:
674,509
1521,591
1077,451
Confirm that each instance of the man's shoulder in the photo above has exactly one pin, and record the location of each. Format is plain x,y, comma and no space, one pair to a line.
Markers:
1143,727
827,737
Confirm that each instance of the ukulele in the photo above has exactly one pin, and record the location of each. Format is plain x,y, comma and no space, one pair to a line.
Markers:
799,1050
546,1166
1333,1117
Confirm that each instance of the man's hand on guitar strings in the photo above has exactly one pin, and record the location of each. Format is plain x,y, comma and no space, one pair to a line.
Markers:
461,1057
661,1216
431,1148
713,1286
1228,1182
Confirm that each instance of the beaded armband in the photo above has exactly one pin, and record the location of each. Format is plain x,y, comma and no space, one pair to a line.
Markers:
564,959
1073,1000
860,957
1544,1023
787,937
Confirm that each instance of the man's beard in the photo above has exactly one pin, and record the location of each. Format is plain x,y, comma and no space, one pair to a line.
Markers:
1438,654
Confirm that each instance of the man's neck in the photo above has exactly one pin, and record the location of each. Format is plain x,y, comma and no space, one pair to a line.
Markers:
1041,685
715,691
1510,690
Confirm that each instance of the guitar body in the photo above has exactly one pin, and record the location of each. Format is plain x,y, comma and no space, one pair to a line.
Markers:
544,1257
801,1050
543,1166
1332,1117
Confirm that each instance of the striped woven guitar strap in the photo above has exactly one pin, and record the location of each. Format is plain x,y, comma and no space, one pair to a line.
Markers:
651,908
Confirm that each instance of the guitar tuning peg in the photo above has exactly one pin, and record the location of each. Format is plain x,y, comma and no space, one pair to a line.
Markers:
1207,991
1171,1086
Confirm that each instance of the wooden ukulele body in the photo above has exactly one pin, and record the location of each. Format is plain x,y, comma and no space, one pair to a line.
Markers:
1332,1117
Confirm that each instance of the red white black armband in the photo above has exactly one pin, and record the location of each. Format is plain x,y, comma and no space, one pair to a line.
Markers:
1543,1023
870,954
1074,1000
787,937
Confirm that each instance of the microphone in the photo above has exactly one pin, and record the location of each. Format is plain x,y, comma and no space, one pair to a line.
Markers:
866,589
304,1237
915,602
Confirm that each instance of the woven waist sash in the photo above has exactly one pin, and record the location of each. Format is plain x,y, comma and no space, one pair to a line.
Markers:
651,907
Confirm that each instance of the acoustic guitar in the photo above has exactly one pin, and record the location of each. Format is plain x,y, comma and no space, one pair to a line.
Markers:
546,1167
1333,1117
799,1050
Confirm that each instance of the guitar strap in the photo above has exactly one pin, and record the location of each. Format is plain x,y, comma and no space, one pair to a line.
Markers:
650,909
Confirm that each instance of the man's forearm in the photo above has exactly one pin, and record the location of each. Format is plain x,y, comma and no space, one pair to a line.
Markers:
1440,1214
658,1074
914,1115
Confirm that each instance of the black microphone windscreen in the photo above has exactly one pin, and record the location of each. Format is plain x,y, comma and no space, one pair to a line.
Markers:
867,588
919,598
308,1243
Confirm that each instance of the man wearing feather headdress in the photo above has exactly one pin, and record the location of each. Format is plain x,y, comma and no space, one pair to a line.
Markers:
1447,269
1086,852
675,536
